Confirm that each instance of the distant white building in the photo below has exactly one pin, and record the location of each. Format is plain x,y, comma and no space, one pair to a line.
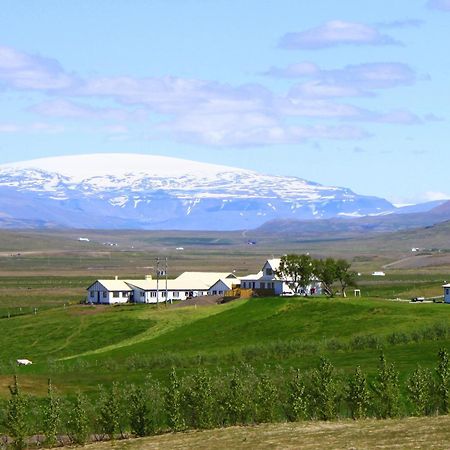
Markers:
266,279
109,292
148,290
378,274
446,293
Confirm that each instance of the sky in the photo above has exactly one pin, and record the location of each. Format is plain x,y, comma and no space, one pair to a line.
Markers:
344,93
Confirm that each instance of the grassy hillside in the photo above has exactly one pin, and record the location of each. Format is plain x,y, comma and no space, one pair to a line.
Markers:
81,346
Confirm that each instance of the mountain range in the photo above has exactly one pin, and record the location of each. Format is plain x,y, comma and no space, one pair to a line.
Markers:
136,191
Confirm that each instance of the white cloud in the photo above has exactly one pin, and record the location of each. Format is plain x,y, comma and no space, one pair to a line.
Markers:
66,109
443,5
335,33
23,71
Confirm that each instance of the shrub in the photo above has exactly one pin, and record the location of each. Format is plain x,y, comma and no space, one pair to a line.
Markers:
297,400
173,403
324,390
358,395
51,415
16,419
419,391
386,386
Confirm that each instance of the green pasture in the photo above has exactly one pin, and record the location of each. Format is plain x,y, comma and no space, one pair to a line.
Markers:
80,346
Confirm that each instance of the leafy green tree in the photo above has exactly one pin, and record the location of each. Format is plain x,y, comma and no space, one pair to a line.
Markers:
419,391
358,395
78,424
173,403
298,401
51,415
345,276
267,397
387,389
326,272
325,390
443,380
200,400
139,411
297,270
16,419
236,401
109,411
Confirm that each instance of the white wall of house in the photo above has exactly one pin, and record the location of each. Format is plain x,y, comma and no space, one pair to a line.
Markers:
218,288
99,294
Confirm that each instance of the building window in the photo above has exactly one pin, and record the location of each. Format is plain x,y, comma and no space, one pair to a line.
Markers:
243,285
447,291
163,293
262,285
176,294
153,294
92,294
124,294
269,271
116,294
105,294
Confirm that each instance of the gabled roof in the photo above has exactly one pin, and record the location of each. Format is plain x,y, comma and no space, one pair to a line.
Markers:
228,282
255,276
113,285
274,263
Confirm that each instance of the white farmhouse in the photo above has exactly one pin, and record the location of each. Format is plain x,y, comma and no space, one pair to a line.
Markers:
267,280
109,292
148,290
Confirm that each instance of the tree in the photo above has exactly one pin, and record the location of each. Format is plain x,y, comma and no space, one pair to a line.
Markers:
267,397
443,381
173,402
236,401
324,390
386,386
297,270
326,272
344,275
298,402
358,395
16,422
139,411
52,415
79,421
109,413
419,390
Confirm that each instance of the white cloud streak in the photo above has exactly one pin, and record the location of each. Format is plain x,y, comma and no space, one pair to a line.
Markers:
335,33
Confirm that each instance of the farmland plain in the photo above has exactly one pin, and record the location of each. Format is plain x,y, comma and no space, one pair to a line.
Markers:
44,275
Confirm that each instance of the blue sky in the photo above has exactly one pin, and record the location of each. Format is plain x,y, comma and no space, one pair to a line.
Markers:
344,92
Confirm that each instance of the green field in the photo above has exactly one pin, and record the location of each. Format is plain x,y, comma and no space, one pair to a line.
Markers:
80,346
43,280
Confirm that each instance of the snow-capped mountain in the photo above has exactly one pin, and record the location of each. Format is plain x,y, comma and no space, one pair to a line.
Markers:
156,192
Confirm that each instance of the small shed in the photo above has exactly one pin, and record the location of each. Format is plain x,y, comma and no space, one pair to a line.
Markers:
446,293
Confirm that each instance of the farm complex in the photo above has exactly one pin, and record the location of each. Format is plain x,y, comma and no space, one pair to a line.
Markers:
194,284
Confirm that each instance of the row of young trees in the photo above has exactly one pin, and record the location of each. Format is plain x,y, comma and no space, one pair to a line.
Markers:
302,270
242,396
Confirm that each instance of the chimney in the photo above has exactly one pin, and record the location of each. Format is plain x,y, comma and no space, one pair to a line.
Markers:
116,277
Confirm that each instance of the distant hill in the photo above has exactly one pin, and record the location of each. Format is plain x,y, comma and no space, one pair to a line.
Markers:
353,227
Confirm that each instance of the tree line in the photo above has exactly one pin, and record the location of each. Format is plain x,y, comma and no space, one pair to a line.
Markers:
302,270
241,396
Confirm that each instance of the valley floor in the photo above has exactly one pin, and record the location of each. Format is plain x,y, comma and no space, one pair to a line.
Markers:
409,433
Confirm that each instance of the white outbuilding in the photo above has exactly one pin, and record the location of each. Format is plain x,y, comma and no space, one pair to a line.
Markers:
109,292
446,293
